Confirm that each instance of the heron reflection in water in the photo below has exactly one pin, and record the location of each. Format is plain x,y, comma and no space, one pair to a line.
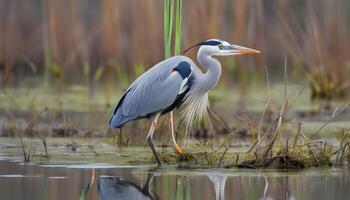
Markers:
114,187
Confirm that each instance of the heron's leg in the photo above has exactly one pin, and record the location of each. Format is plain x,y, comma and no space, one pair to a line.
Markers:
178,149
150,139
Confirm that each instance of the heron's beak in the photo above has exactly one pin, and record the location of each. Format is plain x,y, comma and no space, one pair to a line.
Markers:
248,51
242,50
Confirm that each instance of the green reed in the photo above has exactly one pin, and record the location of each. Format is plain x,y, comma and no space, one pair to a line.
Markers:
168,24
178,27
169,7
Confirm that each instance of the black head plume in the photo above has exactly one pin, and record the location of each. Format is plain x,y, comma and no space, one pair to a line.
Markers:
208,42
198,44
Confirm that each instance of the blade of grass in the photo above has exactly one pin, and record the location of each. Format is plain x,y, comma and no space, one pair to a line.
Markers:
168,24
178,27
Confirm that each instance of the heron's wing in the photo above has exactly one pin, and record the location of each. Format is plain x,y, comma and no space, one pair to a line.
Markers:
153,91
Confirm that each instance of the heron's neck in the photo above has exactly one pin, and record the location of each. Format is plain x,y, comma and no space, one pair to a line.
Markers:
209,79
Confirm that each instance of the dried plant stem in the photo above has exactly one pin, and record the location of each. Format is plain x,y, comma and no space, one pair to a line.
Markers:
297,135
313,155
334,115
266,106
26,156
43,140
275,125
247,121
222,157
342,152
280,115
218,120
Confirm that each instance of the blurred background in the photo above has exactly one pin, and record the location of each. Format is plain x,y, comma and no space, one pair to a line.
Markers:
65,63
88,42
80,55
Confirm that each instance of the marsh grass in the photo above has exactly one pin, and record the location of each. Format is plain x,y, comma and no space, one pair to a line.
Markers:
206,155
270,149
317,43
276,142
81,41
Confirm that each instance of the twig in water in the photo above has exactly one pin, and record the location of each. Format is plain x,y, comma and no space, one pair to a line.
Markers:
237,158
222,157
26,157
296,98
247,121
43,140
42,137
334,115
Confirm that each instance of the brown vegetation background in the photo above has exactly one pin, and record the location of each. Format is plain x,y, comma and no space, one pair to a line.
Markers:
72,39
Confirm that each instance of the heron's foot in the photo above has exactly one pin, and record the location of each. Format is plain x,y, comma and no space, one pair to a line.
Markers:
159,162
178,149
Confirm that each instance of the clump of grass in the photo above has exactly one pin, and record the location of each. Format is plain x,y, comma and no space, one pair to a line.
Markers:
296,151
343,152
29,130
178,158
13,129
321,54
208,156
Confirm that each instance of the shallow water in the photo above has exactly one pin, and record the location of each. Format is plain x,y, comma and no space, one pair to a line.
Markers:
123,172
35,182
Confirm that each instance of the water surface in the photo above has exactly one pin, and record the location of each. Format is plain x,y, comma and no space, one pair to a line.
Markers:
35,182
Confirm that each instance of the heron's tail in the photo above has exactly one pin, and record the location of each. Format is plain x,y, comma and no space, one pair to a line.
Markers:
118,120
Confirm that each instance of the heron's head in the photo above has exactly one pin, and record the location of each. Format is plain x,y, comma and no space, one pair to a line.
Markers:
215,47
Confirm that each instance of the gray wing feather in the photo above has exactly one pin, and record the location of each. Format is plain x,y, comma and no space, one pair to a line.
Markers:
155,90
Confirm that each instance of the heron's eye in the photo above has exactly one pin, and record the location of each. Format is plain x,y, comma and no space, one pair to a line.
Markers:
221,46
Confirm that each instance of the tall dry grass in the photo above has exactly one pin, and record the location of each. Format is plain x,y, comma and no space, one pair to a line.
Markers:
318,40
81,41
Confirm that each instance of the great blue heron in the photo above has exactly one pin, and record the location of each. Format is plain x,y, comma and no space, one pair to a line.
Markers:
172,83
